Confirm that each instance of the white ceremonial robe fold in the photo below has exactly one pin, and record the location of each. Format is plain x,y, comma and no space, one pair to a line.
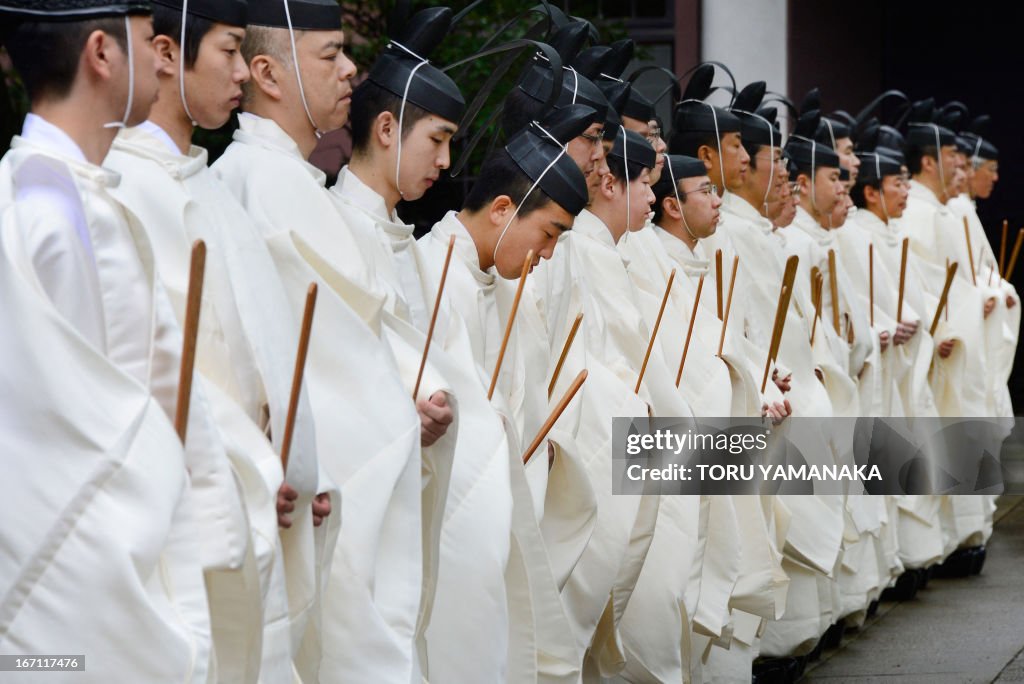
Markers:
813,536
647,258
245,348
597,561
475,509
372,596
540,639
85,447
139,335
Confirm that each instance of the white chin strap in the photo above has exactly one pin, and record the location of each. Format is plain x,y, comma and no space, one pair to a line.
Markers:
679,202
131,78
298,76
401,112
718,139
881,188
181,66
562,151
625,163
771,147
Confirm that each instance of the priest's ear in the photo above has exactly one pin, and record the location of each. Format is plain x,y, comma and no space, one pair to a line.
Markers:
803,181
385,129
671,207
872,194
167,55
708,155
501,210
98,54
610,185
263,74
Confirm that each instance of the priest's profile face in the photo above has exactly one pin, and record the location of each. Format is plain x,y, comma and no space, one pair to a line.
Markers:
213,84
538,231
426,150
735,160
327,74
586,149
895,191
640,200
701,205
984,179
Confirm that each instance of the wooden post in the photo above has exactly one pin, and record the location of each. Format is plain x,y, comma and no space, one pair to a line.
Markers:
943,297
1002,249
970,252
1013,255
194,300
871,282
300,368
433,317
565,352
728,302
654,331
903,280
833,288
689,330
555,415
511,320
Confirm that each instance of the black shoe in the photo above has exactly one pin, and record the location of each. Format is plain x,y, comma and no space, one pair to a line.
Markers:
958,565
774,671
872,609
905,588
978,559
833,636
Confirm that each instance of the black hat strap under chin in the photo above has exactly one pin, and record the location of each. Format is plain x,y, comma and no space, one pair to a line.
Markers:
131,77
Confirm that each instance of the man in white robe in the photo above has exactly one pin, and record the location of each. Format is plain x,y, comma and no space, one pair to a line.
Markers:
102,447
78,239
373,594
245,347
683,215
493,234
403,117
938,237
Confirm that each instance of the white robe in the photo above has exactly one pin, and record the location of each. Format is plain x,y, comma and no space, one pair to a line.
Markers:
541,641
815,524
134,328
105,540
247,350
596,564
467,608
963,383
757,589
372,596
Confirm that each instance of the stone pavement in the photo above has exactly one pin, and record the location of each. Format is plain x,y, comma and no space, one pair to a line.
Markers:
955,630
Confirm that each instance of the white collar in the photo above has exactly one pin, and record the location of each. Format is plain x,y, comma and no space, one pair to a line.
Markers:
151,142
465,247
256,130
352,188
44,134
160,134
589,225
